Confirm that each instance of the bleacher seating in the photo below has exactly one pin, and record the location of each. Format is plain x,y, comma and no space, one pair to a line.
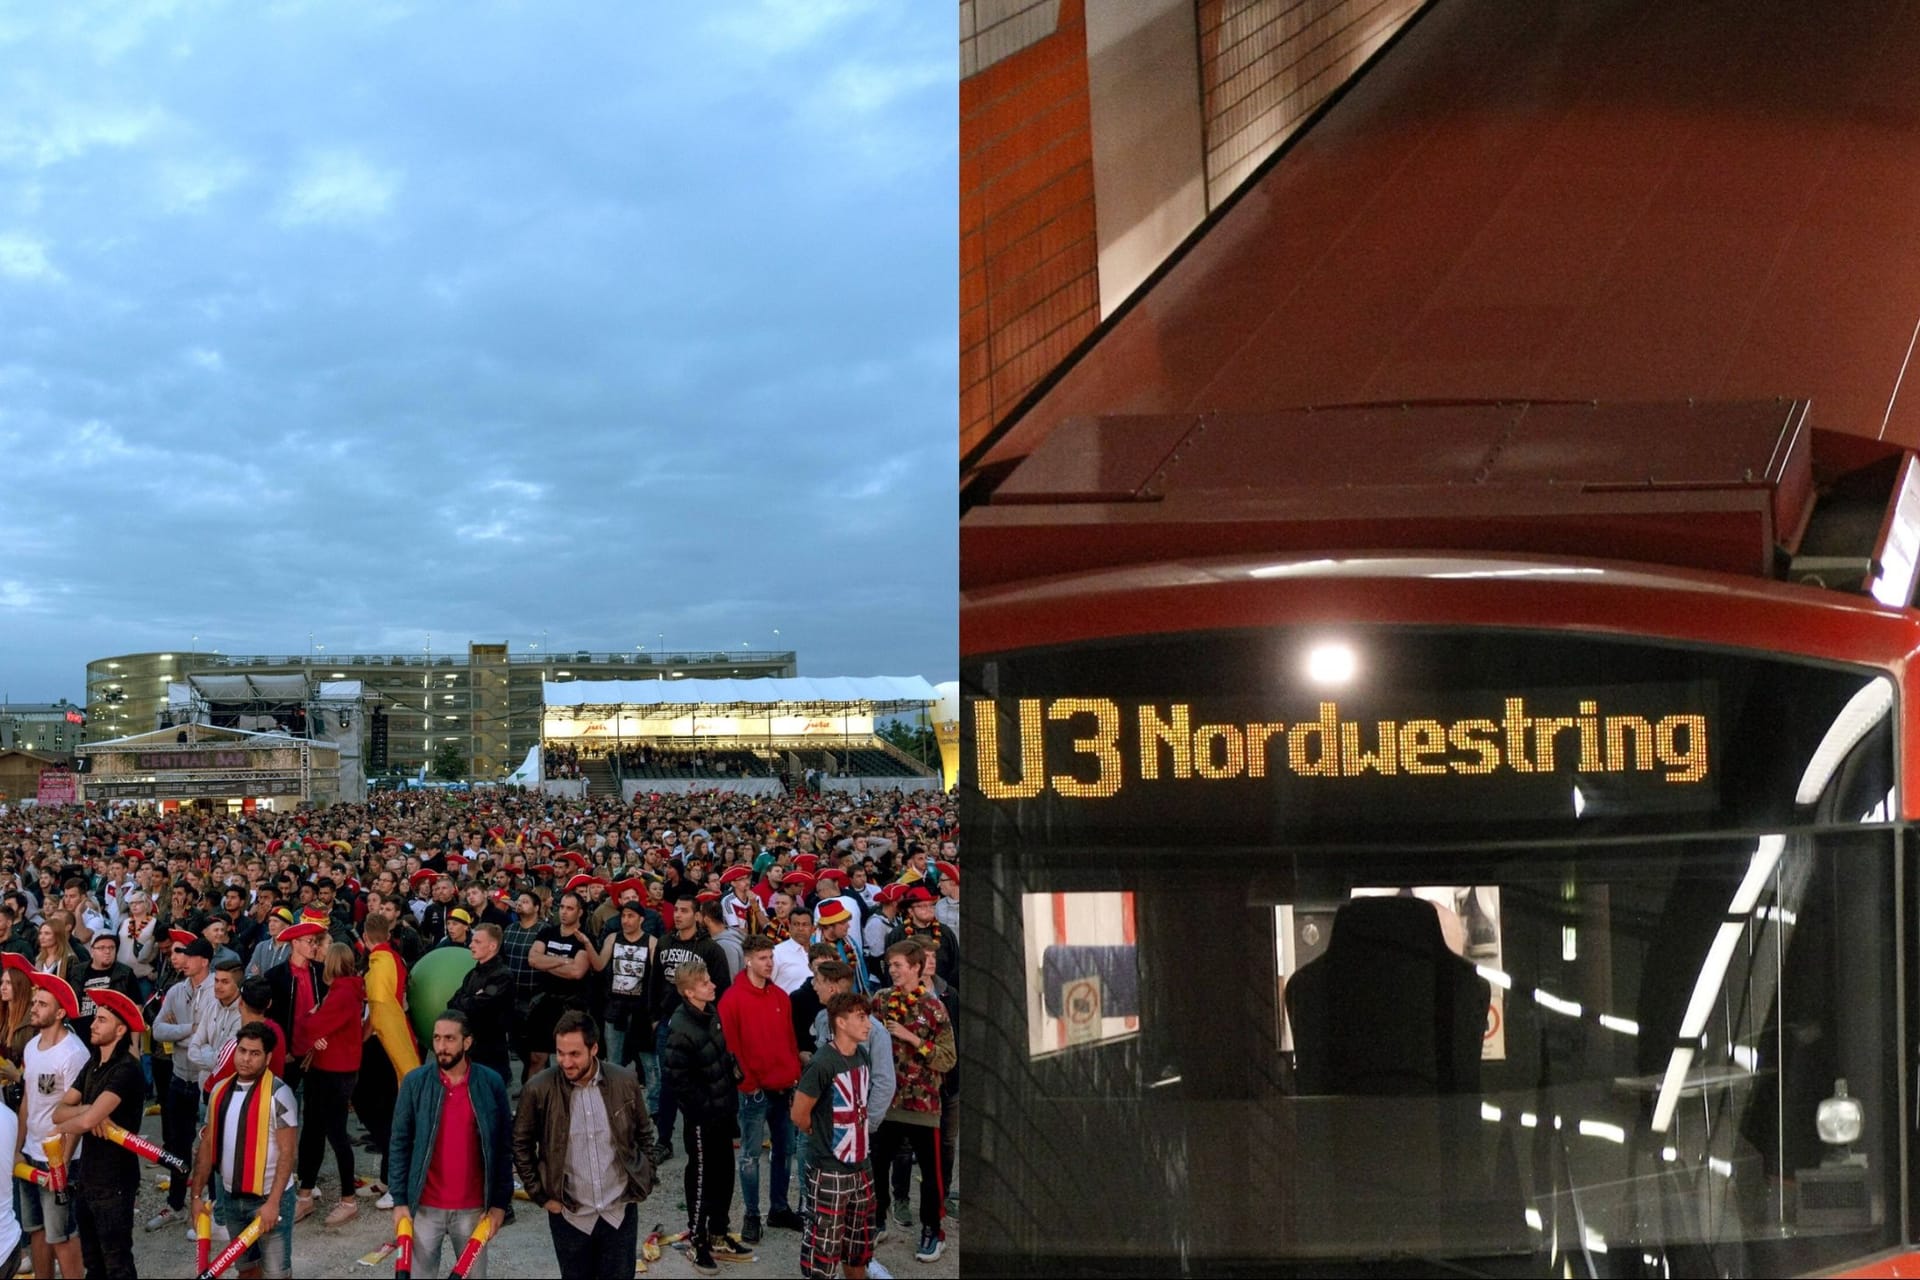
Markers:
679,762
858,762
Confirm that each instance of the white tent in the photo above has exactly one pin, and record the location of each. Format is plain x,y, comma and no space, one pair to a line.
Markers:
529,772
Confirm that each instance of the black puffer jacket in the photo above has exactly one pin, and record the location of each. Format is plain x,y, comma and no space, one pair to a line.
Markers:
699,1066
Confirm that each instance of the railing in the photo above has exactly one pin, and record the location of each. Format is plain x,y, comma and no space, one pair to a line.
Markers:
692,657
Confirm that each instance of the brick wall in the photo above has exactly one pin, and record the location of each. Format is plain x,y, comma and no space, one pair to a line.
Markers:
1029,286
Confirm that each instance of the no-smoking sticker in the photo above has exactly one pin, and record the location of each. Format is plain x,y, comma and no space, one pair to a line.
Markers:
1080,1004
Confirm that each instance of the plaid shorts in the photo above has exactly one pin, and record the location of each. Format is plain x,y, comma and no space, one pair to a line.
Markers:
841,1229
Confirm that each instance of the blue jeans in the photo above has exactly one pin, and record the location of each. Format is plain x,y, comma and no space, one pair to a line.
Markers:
272,1253
433,1227
659,1093
763,1114
619,1042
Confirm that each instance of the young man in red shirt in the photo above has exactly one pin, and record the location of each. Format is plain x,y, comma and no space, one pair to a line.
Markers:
756,1017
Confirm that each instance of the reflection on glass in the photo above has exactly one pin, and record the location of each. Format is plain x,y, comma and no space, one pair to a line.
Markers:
1469,918
1516,1029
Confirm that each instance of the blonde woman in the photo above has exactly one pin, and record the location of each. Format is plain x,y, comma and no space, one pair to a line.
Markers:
138,949
56,952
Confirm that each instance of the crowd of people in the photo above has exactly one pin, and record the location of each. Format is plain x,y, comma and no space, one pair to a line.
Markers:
767,981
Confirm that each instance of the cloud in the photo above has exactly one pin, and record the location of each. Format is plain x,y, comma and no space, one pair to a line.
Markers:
782,26
94,444
52,130
613,321
189,184
492,531
25,258
867,88
338,187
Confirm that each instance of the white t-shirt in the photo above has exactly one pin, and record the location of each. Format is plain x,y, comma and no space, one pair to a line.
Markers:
286,1115
49,1074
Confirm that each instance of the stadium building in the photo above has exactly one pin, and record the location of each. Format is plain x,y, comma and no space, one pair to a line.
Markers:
488,701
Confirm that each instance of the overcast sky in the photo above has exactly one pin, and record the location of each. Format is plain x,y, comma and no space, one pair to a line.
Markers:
387,321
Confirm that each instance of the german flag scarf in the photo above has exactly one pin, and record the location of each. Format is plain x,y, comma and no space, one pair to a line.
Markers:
248,1176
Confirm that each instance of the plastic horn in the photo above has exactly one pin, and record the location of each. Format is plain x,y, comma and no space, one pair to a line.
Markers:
145,1148
27,1173
231,1254
403,1265
475,1243
202,1237
57,1167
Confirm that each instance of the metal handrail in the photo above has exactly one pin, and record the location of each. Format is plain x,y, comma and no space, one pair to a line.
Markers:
691,657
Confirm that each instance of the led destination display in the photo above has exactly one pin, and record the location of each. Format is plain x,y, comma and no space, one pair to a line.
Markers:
1412,735
1113,743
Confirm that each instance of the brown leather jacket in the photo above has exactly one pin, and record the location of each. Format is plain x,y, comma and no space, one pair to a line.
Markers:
544,1121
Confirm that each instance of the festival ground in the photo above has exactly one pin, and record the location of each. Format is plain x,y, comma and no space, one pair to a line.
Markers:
523,1248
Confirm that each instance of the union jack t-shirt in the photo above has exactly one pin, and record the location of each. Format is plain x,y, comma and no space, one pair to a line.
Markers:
839,1085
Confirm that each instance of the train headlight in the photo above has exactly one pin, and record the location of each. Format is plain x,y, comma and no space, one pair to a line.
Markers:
1840,1118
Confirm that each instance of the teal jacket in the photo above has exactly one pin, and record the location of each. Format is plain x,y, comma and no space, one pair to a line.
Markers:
416,1133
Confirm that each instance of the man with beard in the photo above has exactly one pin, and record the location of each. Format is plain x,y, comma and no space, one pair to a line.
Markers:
452,1148
54,1060
583,1149
516,944
433,921
563,955
107,1175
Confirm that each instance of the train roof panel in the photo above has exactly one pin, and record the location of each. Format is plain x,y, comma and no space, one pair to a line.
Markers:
1600,201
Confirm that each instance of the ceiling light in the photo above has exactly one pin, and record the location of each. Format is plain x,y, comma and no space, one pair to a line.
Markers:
1332,663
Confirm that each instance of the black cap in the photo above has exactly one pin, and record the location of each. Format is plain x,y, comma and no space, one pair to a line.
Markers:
200,948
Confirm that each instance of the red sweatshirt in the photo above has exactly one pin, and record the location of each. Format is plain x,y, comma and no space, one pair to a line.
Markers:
337,1021
758,1024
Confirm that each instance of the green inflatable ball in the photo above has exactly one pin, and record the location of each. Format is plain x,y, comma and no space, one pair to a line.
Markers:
430,984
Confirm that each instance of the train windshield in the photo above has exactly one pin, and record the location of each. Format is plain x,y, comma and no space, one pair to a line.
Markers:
1421,950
